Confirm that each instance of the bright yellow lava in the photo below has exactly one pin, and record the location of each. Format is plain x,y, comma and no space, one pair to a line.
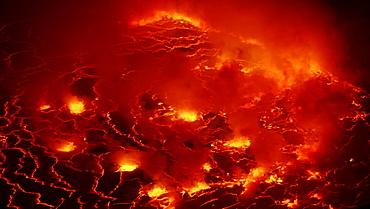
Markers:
160,15
207,167
156,191
198,187
290,204
45,107
254,175
128,167
188,116
67,147
274,179
241,142
76,107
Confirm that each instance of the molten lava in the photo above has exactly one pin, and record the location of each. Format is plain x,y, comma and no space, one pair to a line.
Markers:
188,116
180,105
45,107
76,107
239,143
66,147
127,167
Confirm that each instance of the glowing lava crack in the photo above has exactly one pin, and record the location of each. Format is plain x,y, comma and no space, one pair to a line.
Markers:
185,120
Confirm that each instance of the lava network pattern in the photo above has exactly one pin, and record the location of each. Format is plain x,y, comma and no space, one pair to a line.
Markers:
178,118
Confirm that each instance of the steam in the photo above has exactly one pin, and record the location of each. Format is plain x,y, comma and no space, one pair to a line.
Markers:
283,44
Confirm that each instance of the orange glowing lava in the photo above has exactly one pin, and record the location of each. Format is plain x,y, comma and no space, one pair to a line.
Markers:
66,147
163,15
239,142
197,188
207,167
76,107
157,191
127,167
44,107
188,116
